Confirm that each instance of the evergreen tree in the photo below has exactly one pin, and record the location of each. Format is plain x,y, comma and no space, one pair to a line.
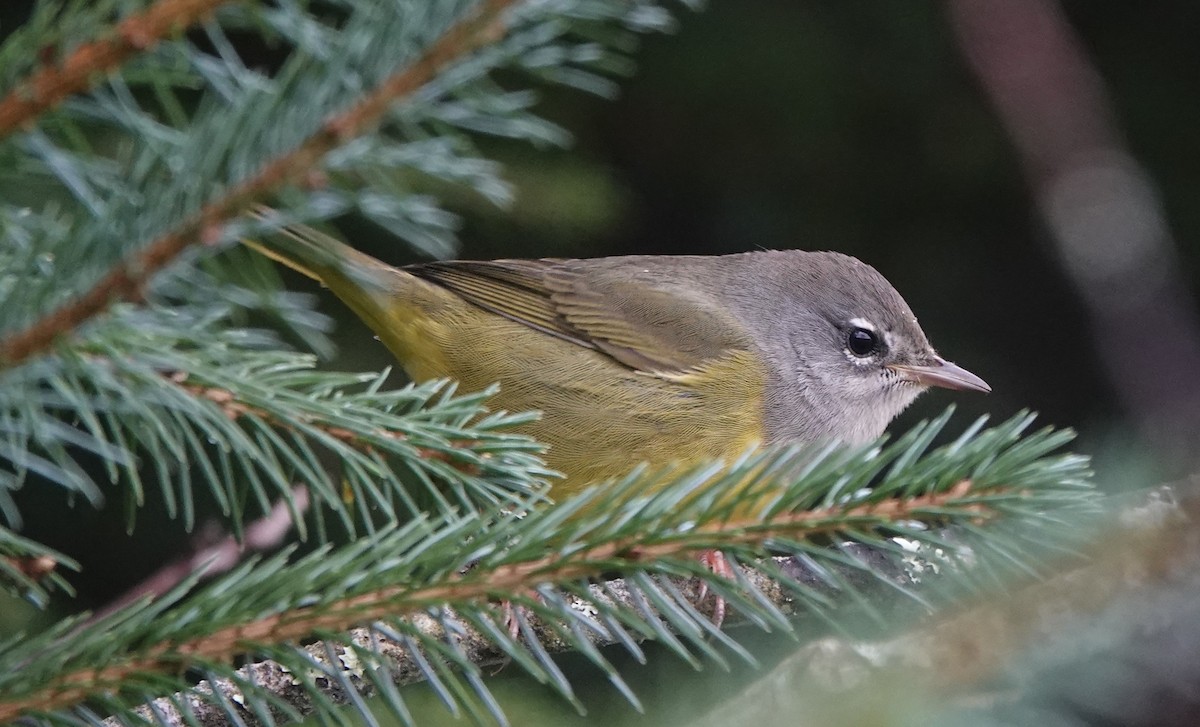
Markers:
136,139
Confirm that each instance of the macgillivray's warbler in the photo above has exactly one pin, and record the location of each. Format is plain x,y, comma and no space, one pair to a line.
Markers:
648,358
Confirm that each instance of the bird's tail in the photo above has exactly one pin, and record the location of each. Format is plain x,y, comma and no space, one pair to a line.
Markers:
322,257
396,305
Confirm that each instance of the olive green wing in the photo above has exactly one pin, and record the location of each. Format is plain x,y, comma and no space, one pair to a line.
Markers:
513,289
648,326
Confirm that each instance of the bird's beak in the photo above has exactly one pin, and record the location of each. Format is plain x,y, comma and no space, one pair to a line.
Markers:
944,374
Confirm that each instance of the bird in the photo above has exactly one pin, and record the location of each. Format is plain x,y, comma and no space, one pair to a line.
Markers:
648,358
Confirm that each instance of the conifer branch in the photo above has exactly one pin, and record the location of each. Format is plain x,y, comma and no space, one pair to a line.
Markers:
235,409
394,582
479,648
1137,580
218,407
972,647
638,551
53,83
129,277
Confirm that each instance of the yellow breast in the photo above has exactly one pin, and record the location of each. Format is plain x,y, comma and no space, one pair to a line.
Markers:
599,418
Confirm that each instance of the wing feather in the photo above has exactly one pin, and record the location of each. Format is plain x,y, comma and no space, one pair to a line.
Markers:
657,326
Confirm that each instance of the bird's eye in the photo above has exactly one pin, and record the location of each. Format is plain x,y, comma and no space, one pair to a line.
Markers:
862,342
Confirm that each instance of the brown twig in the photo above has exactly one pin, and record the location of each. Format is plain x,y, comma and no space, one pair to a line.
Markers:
216,556
129,276
1109,227
48,86
235,409
33,567
294,625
